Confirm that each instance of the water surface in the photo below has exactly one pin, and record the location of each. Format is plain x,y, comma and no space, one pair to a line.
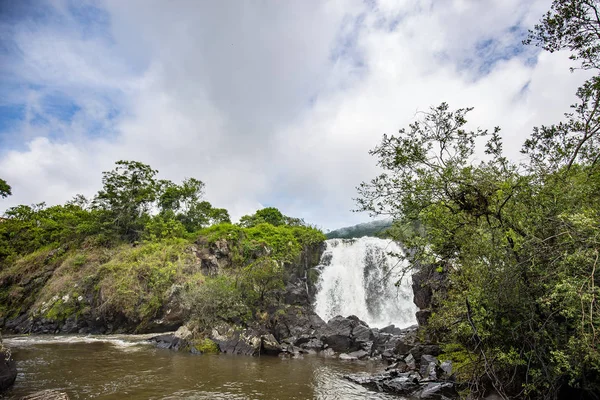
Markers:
127,367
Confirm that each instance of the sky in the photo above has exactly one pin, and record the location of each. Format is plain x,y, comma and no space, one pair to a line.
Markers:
270,103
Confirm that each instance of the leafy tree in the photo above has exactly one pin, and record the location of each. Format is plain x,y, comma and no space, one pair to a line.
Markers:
5,189
269,215
127,196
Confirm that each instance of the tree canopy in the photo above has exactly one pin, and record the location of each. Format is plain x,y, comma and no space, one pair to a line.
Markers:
516,243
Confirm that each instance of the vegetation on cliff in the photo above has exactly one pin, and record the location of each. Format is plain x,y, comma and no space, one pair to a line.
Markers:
517,243
141,248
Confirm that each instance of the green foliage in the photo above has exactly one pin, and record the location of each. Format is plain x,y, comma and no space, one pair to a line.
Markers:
206,346
269,215
216,300
374,228
519,249
136,281
5,189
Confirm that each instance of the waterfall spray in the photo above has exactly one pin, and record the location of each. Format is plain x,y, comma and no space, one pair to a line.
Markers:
359,276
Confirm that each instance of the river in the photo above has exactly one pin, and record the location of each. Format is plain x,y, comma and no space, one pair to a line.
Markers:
128,367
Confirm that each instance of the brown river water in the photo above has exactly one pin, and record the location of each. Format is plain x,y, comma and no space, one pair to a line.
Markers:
127,367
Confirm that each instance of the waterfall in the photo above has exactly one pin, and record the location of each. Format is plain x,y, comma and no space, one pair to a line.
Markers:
358,277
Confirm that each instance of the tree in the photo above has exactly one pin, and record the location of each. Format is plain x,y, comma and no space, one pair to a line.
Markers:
269,215
5,189
573,25
518,251
127,196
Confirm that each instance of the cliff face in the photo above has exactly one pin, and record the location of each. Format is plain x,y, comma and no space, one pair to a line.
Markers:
131,289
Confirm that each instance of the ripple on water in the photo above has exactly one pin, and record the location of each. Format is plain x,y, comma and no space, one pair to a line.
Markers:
104,368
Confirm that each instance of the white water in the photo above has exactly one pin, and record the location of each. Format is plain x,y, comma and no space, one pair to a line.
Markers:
358,277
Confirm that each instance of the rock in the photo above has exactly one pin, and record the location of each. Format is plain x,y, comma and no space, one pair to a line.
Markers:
347,357
410,362
183,333
360,354
296,293
337,333
438,391
446,367
296,322
49,394
423,317
426,368
236,341
171,342
329,352
8,369
362,333
389,381
313,344
406,383
421,290
391,329
270,345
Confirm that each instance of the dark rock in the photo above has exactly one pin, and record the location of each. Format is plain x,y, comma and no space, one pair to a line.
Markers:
426,365
236,341
8,370
296,293
423,317
389,381
294,321
270,345
438,391
170,342
391,329
421,289
362,333
410,362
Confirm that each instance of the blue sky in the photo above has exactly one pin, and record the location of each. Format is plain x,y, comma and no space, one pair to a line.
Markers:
269,103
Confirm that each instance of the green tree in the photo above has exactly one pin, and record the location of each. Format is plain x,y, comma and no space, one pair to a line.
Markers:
5,189
127,195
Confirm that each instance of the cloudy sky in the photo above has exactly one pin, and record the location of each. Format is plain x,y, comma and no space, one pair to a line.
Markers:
270,103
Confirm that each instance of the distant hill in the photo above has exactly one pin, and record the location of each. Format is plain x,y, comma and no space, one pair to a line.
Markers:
374,228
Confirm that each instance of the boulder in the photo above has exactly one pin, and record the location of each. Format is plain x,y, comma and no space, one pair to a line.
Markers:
169,341
438,391
427,366
237,341
295,321
270,345
347,334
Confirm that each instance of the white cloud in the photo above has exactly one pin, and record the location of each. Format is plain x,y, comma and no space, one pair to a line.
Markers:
271,103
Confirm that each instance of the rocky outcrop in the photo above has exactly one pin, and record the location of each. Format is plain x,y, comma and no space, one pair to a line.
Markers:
8,369
429,284
426,380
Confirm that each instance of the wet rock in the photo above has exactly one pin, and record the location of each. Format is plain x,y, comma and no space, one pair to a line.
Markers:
8,370
295,322
329,352
236,341
389,381
270,345
360,354
410,362
438,391
427,366
49,394
391,329
170,342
